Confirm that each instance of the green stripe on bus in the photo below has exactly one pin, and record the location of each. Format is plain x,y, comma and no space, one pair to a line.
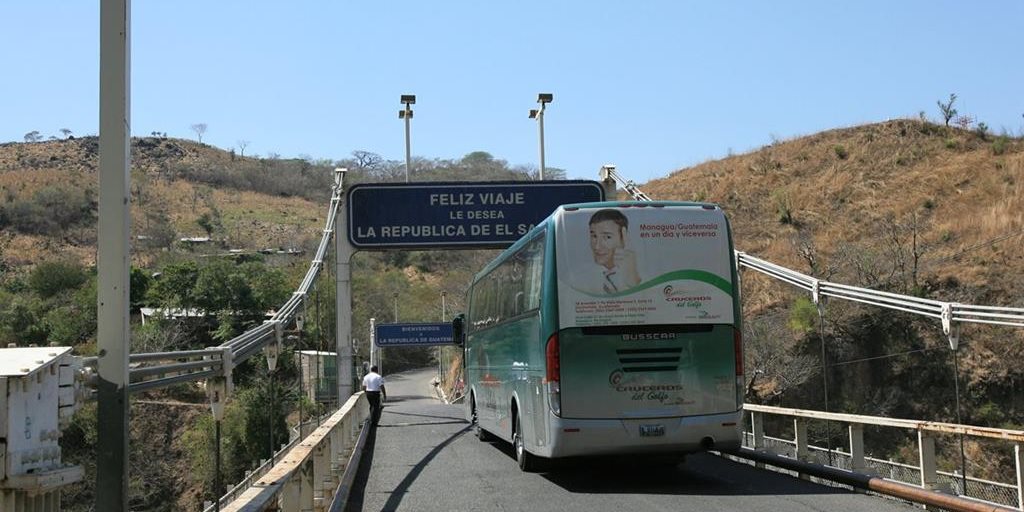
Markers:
678,275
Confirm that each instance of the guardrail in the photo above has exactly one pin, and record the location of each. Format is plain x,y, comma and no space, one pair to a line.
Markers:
856,461
316,473
161,369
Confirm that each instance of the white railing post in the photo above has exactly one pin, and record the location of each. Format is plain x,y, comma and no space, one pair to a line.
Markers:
857,463
929,473
800,440
1018,455
757,426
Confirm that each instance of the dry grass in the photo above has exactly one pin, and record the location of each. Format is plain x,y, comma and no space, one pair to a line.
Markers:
844,189
250,220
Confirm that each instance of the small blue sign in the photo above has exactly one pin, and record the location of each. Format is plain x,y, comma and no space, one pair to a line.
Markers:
405,335
456,215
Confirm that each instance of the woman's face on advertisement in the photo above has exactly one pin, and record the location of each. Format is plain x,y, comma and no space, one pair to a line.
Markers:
605,238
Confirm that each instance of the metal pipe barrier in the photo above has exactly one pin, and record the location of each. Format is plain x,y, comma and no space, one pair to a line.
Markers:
949,312
858,468
874,484
318,471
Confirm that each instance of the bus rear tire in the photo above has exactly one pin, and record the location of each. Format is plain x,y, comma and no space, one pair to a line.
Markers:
528,462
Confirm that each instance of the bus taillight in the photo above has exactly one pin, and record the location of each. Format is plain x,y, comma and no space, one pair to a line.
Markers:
553,365
553,375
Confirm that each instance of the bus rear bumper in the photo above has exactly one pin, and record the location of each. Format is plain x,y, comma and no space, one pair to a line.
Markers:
577,437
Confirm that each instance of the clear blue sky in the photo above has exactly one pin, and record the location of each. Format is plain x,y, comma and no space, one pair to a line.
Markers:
649,86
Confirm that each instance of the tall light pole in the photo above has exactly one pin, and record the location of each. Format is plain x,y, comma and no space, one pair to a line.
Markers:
543,98
407,100
440,349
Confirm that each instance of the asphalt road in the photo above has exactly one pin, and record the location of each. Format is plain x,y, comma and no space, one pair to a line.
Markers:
424,457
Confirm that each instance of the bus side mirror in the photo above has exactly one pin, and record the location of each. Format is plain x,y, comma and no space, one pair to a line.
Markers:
459,329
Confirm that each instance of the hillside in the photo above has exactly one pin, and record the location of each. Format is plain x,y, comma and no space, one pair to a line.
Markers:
904,206
845,193
170,193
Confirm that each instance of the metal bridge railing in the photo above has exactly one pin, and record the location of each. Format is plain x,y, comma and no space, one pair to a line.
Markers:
926,475
161,369
949,312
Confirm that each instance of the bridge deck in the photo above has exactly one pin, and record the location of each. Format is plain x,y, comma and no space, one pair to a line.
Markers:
424,457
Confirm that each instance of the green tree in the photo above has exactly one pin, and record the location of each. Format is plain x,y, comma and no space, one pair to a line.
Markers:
20,321
52,277
173,288
74,322
948,112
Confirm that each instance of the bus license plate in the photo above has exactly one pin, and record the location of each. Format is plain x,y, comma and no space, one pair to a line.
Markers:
652,430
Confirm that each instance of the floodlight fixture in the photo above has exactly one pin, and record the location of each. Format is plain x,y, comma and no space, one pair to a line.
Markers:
545,97
409,99
533,113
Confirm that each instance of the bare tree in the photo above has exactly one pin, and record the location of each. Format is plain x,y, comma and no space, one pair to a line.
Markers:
200,129
242,144
773,361
948,112
367,160
65,132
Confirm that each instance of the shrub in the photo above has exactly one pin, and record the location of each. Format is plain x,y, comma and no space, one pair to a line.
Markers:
999,146
783,206
951,144
982,131
50,211
803,317
840,151
52,277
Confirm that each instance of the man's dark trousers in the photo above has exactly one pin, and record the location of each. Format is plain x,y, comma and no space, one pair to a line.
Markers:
375,409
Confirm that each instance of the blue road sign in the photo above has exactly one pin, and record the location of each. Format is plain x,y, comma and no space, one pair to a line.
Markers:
404,335
456,215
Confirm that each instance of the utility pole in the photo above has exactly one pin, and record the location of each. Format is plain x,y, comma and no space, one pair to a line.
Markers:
113,262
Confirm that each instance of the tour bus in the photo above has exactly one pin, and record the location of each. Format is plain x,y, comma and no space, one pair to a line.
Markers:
610,328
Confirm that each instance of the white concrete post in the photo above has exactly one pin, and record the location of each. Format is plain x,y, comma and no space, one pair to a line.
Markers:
113,255
1018,455
757,427
321,473
857,463
343,298
800,439
291,492
306,482
926,451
